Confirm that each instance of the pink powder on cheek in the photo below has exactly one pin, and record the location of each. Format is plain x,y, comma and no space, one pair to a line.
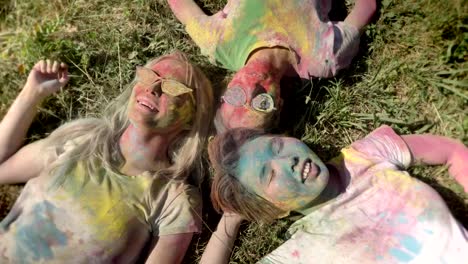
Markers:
256,73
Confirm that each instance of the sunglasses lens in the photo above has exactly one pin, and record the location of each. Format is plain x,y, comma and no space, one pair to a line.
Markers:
145,76
174,88
235,96
263,103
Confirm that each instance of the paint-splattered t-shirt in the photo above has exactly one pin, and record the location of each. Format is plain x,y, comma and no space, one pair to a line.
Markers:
385,215
104,218
321,47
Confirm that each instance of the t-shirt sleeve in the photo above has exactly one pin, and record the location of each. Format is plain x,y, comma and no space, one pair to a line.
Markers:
383,144
302,247
205,32
345,44
181,215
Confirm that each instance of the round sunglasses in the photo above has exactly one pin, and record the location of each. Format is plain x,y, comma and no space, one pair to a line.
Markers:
170,87
236,96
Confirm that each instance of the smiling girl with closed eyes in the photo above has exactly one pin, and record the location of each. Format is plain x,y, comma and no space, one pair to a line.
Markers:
102,190
360,207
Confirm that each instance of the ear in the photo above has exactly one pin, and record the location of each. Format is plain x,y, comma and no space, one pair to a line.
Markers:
283,215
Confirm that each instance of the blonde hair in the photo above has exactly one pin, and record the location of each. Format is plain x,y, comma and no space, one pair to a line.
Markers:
97,139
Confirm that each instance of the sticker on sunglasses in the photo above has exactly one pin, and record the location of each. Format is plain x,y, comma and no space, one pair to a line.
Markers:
263,103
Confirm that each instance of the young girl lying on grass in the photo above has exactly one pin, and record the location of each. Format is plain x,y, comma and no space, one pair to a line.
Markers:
361,207
101,190
263,40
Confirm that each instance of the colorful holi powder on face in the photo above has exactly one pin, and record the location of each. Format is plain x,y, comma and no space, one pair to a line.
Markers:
275,173
172,110
256,78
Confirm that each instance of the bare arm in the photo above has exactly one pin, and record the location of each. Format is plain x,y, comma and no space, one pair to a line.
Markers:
438,150
170,249
45,78
362,13
185,10
222,240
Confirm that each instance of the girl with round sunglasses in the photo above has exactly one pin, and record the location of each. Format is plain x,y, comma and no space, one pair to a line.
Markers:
264,40
108,189
362,206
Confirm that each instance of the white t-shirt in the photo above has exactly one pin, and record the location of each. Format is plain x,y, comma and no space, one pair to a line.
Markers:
385,215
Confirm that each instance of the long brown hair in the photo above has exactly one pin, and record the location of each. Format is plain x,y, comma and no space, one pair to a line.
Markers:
227,193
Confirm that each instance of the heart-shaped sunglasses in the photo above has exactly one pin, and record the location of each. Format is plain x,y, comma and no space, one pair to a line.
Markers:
170,87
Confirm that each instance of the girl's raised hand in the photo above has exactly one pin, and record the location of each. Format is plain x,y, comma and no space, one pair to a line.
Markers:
46,78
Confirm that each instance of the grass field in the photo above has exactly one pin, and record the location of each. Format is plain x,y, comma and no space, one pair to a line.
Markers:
411,73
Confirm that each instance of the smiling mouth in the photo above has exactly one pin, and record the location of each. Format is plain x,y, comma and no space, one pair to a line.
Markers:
309,170
150,106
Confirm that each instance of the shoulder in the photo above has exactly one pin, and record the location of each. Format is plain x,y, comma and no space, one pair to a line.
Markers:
382,145
176,207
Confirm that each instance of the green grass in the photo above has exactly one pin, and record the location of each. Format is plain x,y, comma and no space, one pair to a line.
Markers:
411,74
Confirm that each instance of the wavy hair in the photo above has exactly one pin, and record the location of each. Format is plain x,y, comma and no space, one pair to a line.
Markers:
96,140
227,193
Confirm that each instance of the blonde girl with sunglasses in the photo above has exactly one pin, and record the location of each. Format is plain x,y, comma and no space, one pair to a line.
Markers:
108,189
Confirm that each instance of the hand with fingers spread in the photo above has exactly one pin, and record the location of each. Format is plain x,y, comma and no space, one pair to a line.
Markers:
46,78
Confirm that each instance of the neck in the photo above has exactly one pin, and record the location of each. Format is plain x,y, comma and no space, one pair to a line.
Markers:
276,61
144,150
334,188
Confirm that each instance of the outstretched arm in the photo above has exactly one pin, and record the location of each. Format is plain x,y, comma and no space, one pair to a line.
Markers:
170,249
185,10
204,30
438,150
362,13
45,78
222,240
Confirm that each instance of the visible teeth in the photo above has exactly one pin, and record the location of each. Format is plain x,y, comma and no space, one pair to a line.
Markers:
306,170
149,106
